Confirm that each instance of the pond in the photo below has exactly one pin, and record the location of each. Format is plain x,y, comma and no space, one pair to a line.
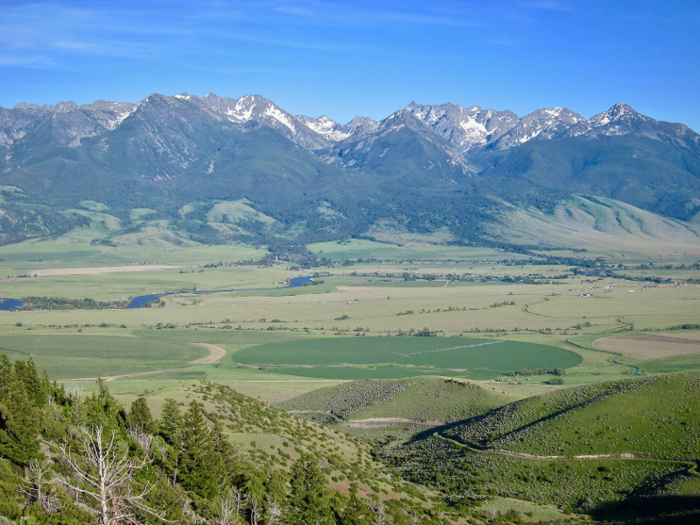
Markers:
10,304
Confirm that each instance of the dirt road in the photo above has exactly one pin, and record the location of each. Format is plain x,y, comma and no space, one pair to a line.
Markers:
214,357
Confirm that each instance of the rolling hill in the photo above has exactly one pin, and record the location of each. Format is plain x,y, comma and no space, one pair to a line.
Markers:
619,450
418,399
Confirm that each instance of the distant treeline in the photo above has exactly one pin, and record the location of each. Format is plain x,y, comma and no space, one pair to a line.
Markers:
537,372
61,303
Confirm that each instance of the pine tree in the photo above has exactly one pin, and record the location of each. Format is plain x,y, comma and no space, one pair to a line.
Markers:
36,387
276,488
140,416
308,501
7,376
170,422
102,410
225,456
170,429
198,471
20,424
11,487
255,494
356,511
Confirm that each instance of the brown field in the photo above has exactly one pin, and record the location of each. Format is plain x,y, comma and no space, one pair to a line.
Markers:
48,272
651,346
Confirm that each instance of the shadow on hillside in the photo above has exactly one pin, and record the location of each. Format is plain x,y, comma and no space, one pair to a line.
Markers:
428,432
652,509
638,383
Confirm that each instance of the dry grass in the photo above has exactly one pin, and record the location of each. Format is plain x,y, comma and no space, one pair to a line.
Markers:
644,347
49,272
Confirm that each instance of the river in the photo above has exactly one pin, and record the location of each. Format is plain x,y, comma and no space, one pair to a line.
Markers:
142,300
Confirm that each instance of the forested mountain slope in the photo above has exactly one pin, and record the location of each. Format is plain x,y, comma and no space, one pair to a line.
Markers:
69,459
421,169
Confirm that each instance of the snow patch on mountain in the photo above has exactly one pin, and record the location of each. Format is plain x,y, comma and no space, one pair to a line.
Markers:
468,128
280,116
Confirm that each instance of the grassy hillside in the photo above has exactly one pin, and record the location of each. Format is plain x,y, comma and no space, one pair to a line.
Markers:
595,223
654,417
621,449
419,398
275,440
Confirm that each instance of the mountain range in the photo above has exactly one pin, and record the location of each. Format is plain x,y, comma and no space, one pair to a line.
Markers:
465,172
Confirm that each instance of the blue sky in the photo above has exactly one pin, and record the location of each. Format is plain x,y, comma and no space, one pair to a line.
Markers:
360,57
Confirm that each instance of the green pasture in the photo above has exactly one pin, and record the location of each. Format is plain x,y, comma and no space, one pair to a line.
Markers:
278,355
128,284
422,398
100,222
667,365
94,206
395,357
356,373
139,213
74,250
70,356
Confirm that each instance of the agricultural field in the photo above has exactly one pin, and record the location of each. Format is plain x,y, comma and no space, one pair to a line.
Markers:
461,357
478,389
337,329
656,353
76,356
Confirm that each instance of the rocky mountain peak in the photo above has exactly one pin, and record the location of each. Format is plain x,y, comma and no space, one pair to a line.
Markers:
615,113
467,128
541,124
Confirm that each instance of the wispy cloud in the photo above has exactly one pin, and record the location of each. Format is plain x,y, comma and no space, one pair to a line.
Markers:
271,71
53,34
28,62
547,5
357,14
50,32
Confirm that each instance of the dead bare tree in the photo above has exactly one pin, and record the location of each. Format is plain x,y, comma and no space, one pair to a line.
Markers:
255,510
229,513
226,515
237,499
274,512
105,476
40,478
229,509
380,511
145,441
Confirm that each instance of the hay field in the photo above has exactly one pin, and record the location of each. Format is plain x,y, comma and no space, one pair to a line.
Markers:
645,347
